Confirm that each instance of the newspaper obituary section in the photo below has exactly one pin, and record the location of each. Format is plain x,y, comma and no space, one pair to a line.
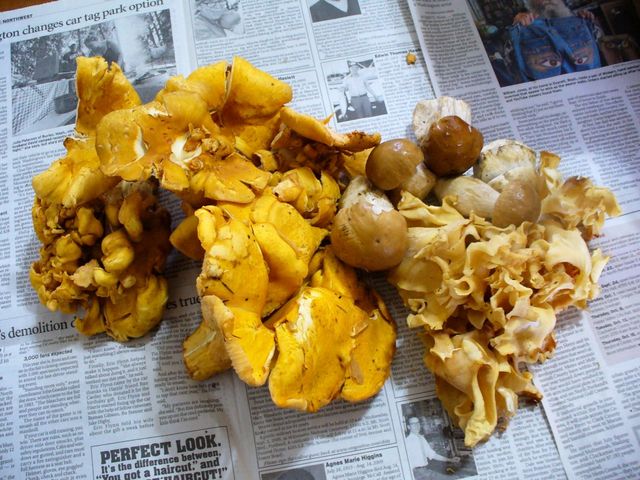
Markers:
564,76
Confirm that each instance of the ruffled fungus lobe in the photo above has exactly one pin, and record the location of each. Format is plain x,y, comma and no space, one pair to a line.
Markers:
315,335
76,178
375,344
335,338
486,296
256,258
580,204
104,240
208,82
234,282
253,94
197,136
315,199
117,283
203,351
184,238
313,129
254,262
478,386
101,89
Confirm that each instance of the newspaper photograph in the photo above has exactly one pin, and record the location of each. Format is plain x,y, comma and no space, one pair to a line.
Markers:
85,404
43,69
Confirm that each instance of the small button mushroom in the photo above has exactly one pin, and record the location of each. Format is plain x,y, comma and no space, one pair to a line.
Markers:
453,146
519,202
472,195
368,232
393,162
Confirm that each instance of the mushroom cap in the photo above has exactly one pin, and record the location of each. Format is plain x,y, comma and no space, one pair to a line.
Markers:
393,162
427,112
368,238
453,146
472,195
315,336
500,156
204,353
519,202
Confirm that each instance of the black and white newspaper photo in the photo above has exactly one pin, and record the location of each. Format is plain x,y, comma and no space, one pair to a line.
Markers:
355,89
435,447
42,69
217,19
322,10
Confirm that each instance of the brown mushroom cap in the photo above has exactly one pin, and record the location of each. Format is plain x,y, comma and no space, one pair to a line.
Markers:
393,162
519,202
453,146
366,237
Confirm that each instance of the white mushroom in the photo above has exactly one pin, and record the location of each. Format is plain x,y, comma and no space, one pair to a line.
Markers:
427,112
500,156
472,195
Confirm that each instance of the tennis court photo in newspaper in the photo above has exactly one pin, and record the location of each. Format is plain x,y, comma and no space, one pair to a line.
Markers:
435,446
42,69
529,40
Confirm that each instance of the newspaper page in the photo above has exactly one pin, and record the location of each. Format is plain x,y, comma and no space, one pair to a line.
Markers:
582,104
89,407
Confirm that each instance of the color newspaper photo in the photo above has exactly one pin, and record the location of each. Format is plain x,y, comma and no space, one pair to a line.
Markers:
528,40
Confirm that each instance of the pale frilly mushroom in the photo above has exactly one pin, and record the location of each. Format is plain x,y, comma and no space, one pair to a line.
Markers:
486,296
478,386
580,204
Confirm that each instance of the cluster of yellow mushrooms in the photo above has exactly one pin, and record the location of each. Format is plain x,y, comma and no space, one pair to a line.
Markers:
283,212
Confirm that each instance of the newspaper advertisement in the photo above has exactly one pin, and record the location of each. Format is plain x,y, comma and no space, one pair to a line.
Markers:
564,76
89,407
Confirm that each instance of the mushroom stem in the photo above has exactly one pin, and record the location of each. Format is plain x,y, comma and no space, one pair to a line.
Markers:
472,195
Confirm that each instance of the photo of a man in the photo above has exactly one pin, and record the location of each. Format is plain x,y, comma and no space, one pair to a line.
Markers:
356,86
356,94
435,448
418,449
102,47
